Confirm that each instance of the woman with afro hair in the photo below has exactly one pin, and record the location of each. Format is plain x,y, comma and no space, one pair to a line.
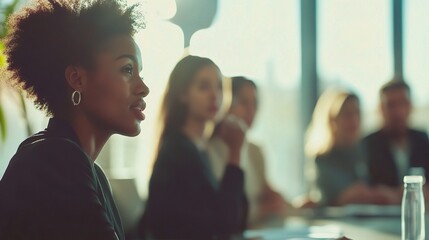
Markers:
79,62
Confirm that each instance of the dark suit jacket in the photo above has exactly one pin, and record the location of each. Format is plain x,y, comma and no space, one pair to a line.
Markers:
381,163
184,202
51,190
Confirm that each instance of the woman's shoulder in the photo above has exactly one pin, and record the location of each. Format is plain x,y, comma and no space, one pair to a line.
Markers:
326,158
46,166
178,150
44,155
50,147
177,142
255,149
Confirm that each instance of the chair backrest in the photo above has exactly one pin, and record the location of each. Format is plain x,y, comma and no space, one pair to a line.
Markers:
128,202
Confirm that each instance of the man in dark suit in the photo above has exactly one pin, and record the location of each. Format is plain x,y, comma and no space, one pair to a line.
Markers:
395,149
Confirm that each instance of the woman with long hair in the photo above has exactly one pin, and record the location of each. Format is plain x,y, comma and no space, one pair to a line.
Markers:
333,146
185,201
79,62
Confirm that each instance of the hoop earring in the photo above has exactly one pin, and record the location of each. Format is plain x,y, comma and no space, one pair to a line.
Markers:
73,98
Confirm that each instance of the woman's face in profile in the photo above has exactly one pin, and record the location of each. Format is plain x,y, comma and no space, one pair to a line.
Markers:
113,96
244,104
347,123
204,95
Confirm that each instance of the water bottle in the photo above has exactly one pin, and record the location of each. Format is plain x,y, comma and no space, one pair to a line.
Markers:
413,209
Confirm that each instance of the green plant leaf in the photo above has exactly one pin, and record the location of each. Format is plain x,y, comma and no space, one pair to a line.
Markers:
25,113
2,56
2,124
7,11
2,116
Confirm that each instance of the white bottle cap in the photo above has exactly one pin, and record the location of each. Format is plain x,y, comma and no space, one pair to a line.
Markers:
413,179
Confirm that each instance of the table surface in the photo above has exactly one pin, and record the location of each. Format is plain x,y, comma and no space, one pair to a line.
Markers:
369,228
386,226
294,227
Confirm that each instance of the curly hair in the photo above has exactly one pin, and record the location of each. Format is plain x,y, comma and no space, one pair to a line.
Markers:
49,35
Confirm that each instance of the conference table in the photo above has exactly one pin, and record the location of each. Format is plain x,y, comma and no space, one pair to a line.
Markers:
354,222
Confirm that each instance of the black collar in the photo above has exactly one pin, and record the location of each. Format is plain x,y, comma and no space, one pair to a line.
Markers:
60,128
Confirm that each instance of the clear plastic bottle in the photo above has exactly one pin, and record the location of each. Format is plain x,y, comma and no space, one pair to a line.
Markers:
413,209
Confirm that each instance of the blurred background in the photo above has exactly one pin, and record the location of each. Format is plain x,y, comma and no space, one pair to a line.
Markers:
292,49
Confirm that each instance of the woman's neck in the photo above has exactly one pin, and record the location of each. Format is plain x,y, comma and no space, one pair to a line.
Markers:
345,143
194,128
91,137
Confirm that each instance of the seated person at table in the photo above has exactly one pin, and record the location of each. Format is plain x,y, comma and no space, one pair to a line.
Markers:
185,200
396,147
80,64
336,156
263,200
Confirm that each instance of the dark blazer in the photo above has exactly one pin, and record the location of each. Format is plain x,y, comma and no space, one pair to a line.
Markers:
381,163
185,202
51,190
337,170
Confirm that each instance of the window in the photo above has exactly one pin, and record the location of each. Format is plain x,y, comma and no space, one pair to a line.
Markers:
416,57
355,49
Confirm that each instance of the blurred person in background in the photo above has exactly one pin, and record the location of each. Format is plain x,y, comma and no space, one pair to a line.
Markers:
264,202
79,63
336,157
396,149
185,200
